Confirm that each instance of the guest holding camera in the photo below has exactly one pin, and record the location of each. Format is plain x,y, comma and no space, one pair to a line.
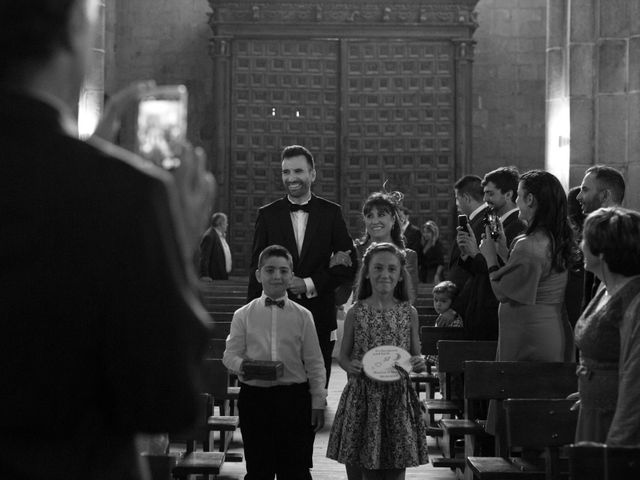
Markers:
500,188
530,286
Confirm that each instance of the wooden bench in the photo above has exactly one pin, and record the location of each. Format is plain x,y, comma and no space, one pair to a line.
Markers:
434,337
217,386
192,461
597,461
532,425
198,463
452,356
220,317
427,320
515,380
215,348
429,338
220,330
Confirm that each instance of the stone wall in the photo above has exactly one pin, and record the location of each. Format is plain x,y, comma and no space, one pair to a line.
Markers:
167,40
164,40
594,54
509,85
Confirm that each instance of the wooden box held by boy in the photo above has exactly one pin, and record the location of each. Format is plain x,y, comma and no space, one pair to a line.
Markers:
262,369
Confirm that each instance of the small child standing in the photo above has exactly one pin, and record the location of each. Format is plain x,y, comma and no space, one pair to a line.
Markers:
444,293
378,429
278,418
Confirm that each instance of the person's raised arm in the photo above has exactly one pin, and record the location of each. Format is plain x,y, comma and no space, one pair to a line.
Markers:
121,101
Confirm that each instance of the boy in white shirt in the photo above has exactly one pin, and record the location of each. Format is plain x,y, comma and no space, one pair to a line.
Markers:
278,418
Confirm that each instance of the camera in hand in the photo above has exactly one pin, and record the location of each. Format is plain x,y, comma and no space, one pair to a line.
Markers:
463,220
493,222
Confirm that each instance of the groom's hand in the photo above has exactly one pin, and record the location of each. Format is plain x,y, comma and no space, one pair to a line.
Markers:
298,287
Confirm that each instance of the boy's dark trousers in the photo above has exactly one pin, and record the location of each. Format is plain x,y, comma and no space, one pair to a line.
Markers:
276,431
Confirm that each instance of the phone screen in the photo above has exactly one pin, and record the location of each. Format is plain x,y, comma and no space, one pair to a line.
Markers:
162,121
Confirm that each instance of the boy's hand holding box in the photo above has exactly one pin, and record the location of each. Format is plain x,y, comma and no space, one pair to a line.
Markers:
262,369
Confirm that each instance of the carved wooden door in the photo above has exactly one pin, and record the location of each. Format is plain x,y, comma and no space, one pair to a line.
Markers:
399,127
284,92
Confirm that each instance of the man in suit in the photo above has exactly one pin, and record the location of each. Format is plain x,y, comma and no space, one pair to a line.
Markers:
215,254
469,200
412,234
500,189
312,229
102,331
601,186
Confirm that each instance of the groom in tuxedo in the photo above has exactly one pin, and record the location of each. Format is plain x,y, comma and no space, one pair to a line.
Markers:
312,229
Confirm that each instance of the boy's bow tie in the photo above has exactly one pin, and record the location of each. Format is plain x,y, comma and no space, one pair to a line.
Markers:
278,303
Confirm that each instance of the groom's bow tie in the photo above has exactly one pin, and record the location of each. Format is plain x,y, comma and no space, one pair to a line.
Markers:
294,207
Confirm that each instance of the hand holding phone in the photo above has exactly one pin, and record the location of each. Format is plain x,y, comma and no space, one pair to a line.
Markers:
463,221
162,125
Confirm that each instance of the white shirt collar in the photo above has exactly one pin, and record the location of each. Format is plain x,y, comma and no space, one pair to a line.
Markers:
504,217
300,203
263,297
477,211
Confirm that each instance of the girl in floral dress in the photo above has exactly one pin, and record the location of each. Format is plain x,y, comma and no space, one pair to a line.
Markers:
378,430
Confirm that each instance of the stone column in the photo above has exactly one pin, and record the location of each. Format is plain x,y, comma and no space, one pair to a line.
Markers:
464,105
582,86
220,51
557,115
91,99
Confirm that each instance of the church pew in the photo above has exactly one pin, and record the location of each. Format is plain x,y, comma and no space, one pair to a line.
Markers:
221,316
532,425
194,461
452,356
597,461
217,387
502,380
215,348
427,320
220,330
429,338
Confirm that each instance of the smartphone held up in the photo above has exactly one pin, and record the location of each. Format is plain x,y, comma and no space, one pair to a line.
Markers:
463,221
162,125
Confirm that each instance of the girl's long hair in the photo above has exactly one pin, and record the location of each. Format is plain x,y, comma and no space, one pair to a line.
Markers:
551,216
363,288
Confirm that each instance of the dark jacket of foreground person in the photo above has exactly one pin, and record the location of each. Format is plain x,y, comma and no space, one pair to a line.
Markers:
101,334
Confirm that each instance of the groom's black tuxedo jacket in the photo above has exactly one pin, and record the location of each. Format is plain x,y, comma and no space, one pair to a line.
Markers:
326,233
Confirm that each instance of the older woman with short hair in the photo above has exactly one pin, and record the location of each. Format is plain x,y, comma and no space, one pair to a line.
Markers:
608,332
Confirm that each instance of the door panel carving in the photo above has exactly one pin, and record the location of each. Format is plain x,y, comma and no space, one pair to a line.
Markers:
284,92
399,127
